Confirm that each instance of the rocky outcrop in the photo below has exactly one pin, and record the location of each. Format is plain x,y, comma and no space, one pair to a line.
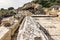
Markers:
34,8
32,5
29,30
25,12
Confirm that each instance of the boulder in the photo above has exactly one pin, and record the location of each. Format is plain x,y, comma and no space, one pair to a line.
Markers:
28,6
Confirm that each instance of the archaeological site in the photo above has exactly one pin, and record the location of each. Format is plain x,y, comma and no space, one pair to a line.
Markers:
35,20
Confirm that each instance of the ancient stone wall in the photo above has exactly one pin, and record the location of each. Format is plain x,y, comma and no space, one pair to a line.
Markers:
29,30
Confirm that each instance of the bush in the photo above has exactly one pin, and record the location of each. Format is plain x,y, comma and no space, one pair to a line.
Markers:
10,8
47,3
2,8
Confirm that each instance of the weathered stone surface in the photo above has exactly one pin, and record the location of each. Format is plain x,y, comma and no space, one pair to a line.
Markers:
34,8
5,23
30,31
51,24
11,20
32,5
37,38
53,13
25,12
5,34
12,23
14,27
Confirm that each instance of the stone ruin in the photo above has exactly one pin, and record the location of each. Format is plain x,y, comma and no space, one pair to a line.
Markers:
29,30
34,8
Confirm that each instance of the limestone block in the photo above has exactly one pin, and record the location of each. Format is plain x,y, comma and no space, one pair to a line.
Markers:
5,23
5,34
30,31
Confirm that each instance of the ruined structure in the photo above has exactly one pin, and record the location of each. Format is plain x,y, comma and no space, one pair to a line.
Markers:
8,27
30,30
51,25
30,22
33,8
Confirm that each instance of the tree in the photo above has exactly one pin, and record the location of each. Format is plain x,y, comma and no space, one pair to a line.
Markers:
2,8
47,3
58,1
38,1
10,8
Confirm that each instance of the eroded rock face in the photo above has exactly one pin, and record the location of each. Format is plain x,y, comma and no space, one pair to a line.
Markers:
25,12
5,23
32,5
34,8
28,31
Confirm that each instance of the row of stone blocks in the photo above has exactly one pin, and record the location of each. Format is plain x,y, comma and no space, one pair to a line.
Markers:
7,32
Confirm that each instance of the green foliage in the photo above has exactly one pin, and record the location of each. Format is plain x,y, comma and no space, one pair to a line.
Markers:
10,8
47,3
2,8
3,12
